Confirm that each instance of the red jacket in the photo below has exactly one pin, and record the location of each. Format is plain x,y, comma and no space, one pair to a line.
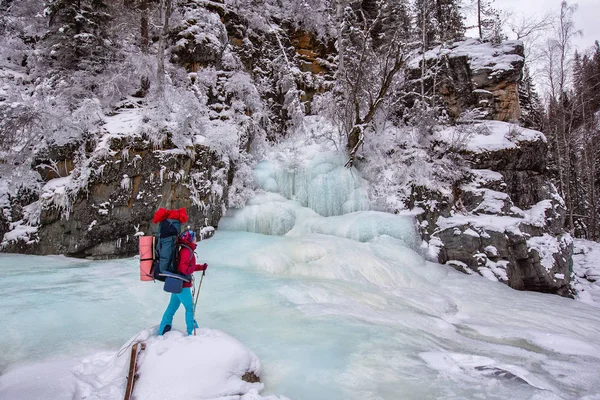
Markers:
187,262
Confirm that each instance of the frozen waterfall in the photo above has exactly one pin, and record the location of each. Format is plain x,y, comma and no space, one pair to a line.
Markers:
306,192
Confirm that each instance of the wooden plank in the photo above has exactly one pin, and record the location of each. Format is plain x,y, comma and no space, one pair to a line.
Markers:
131,378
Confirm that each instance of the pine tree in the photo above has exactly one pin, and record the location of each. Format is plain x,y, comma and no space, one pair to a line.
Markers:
529,102
78,36
450,20
438,21
426,24
392,19
396,19
585,153
489,22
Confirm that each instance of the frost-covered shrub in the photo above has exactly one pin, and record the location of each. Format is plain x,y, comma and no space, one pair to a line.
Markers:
325,105
88,116
310,15
242,88
14,53
176,113
397,160
29,123
126,77
462,133
291,104
201,36
242,188
514,132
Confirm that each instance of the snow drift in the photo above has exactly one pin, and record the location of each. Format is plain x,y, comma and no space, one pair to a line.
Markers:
209,365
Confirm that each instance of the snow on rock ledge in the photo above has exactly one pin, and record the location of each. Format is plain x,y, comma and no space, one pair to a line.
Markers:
495,135
96,209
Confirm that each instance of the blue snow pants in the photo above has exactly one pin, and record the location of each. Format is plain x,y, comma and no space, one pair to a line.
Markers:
184,297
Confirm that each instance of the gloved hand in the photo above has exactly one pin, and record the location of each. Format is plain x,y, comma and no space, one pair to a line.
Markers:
201,267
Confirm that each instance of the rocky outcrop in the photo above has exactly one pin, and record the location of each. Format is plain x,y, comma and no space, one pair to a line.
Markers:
122,191
288,63
476,78
505,222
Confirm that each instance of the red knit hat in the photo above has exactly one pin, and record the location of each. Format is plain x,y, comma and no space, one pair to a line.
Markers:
188,236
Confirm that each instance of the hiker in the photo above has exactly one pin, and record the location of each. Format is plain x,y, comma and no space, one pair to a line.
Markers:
186,266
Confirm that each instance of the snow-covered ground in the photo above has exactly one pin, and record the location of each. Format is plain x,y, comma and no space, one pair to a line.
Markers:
329,318
340,307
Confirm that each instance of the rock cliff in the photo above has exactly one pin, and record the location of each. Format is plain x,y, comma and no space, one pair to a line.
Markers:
475,78
505,220
96,195
128,180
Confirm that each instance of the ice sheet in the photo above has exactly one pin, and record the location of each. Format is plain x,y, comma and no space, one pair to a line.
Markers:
329,317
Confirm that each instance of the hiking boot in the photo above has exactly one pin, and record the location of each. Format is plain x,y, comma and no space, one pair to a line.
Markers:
167,329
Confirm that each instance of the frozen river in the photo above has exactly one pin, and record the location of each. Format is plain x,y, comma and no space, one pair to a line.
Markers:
329,331
338,305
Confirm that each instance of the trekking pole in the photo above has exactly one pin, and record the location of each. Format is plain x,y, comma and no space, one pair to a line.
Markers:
196,300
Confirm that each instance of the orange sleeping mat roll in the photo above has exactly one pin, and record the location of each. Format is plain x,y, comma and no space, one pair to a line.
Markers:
146,257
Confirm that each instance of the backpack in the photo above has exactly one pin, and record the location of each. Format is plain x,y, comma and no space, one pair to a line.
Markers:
167,250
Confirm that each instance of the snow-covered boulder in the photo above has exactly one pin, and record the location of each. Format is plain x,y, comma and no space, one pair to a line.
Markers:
498,145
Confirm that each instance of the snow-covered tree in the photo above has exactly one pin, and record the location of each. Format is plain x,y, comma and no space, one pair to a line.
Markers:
532,110
449,19
438,21
426,24
560,123
143,9
370,72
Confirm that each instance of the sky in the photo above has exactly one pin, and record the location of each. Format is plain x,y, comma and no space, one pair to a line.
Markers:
586,18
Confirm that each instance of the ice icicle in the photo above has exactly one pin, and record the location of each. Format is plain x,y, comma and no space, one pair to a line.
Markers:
320,182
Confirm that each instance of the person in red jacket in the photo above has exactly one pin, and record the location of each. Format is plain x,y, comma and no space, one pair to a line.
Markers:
187,266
